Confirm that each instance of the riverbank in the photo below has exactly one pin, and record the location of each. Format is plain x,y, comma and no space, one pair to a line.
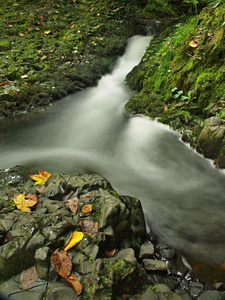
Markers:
53,48
181,81
116,258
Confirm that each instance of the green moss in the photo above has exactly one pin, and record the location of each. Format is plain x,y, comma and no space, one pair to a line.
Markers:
197,72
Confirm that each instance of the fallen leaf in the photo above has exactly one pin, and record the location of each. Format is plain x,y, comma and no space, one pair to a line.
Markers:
75,283
88,226
33,197
28,277
40,178
74,240
87,208
24,76
110,253
41,189
72,204
97,26
72,26
21,34
47,32
89,195
23,204
62,263
194,43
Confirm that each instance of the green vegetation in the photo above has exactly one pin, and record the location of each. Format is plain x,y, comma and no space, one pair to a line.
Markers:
51,48
181,78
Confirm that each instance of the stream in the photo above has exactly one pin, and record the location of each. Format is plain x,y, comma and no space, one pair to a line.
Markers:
182,194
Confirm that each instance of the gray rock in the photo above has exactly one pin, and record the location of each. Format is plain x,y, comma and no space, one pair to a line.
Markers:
211,295
210,140
167,253
196,288
91,251
125,254
176,267
147,250
42,257
60,290
154,265
220,286
162,288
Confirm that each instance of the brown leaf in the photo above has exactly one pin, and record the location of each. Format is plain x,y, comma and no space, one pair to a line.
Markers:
110,253
62,263
88,226
87,208
75,283
33,197
41,189
89,195
28,277
72,204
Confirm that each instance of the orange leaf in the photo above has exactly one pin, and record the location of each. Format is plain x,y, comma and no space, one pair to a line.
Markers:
74,240
87,208
88,226
28,277
110,253
23,204
40,178
62,263
223,265
75,283
194,43
41,189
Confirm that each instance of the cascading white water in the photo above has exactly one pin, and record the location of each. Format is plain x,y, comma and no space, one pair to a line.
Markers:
182,194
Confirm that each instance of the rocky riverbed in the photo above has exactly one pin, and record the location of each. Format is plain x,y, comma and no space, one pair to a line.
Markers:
116,259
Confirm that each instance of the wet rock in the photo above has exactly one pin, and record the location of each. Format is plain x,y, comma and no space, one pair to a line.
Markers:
167,253
196,288
154,265
210,140
14,177
212,295
147,250
220,286
176,267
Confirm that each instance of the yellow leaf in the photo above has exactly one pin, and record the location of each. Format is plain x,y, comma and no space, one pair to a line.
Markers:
72,26
47,32
24,76
74,239
116,9
194,43
21,34
23,204
74,1
95,27
40,178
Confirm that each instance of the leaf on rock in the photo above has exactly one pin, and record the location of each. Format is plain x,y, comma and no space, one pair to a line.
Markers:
74,240
87,208
88,195
194,43
75,283
41,189
23,204
33,197
28,277
110,253
62,263
88,226
72,204
47,32
40,178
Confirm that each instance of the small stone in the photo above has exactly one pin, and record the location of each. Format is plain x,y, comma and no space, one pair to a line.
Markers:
176,267
220,286
154,265
162,288
147,250
91,251
125,254
196,288
167,253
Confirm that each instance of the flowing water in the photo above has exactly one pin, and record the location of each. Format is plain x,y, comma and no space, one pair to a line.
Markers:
182,194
